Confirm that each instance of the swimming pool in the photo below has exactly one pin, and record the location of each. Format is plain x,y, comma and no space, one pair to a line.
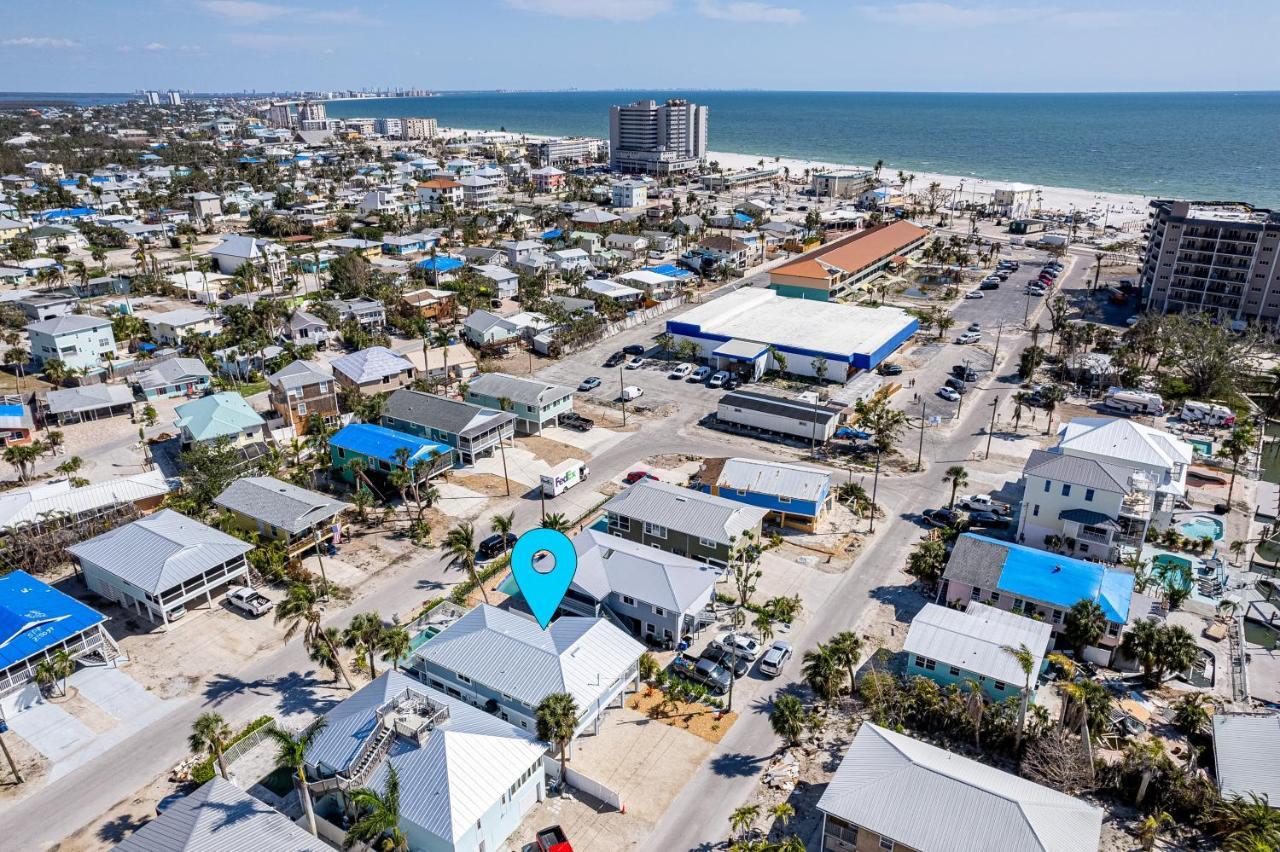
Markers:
508,586
1179,569
1201,526
424,636
1204,448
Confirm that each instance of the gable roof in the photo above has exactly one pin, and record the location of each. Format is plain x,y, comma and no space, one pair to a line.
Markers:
277,503
608,564
35,617
975,640
513,655
225,413
158,552
776,478
1123,440
370,364
220,817
929,798
436,412
1085,472
517,389
686,510
1246,754
19,505
172,372
88,398
68,324
298,374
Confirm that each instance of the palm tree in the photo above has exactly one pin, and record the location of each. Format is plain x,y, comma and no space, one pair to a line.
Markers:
822,672
742,819
56,669
396,645
210,732
1147,758
460,545
1247,824
1242,439
556,521
291,752
974,705
959,478
1149,829
846,648
557,719
301,611
788,718
502,525
364,636
1191,714
324,653
1083,625
1026,661
1141,643
379,816
782,813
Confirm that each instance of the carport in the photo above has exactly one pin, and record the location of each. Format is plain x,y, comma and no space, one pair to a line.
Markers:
744,358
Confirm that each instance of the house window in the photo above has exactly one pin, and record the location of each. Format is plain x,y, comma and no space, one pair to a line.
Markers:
1057,616
342,454
657,610
1113,630
1066,489
623,524
629,601
995,597
655,530
975,593
999,686
1035,511
886,843
954,671
1047,485
926,663
464,678
1088,495
742,492
302,408
1017,605
784,499
706,543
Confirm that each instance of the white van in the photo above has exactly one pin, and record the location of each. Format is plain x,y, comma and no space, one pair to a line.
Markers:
631,392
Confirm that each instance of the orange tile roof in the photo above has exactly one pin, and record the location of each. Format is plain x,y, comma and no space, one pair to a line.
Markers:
854,252
439,183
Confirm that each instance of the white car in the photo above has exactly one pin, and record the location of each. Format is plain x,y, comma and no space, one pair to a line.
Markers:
969,337
974,294
635,363
681,371
718,379
631,392
948,394
699,374
744,646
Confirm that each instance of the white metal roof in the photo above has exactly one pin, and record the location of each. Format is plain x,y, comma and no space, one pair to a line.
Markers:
1123,440
685,510
928,798
27,505
608,564
976,640
1246,754
778,478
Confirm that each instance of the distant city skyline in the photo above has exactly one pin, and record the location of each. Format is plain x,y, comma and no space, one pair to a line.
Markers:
810,45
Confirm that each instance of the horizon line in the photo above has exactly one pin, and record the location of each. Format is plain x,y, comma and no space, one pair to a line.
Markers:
758,90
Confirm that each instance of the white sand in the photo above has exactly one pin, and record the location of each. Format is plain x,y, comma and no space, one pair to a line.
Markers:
1125,210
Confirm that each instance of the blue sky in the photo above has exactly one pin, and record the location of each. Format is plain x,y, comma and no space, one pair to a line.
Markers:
947,45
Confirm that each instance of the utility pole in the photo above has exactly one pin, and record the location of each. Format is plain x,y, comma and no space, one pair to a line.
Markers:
996,350
622,392
995,404
920,450
320,558
875,487
1026,314
13,767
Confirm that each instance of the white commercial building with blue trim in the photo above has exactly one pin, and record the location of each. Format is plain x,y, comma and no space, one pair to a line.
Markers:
742,330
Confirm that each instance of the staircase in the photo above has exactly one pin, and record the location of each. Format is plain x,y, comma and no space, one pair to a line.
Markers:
365,763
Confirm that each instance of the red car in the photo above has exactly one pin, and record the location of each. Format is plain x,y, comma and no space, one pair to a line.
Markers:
636,475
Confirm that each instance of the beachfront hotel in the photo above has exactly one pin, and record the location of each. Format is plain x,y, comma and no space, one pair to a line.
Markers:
1213,256
657,139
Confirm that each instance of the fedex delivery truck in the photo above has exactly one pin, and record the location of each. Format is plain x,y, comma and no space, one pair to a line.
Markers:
563,477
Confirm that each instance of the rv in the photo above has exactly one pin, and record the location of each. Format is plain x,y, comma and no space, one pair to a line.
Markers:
1208,413
1126,401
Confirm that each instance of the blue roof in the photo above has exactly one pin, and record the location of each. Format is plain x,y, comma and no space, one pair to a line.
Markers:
670,270
440,263
553,234
35,617
12,411
252,160
66,213
379,442
742,217
1063,581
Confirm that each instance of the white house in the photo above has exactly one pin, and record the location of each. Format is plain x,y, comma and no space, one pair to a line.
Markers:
78,340
172,327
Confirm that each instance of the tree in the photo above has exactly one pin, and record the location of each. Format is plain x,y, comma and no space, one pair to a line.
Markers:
1191,714
208,467
822,672
1026,661
557,718
379,815
291,753
927,561
324,653
1145,758
1246,824
396,644
502,525
1238,444
556,521
56,669
959,478
300,610
211,733
460,545
56,371
1208,355
149,414
782,813
743,818
846,649
1058,759
1083,625
364,635
789,718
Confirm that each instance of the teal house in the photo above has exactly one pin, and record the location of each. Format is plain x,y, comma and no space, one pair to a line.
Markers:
379,450
221,415
535,404
951,646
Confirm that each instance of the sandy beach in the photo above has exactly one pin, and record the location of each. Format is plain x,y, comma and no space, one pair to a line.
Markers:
1121,210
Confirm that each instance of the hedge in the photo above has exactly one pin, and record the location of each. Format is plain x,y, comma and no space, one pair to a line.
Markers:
204,771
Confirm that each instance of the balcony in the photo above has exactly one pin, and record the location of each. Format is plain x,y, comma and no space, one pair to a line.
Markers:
1137,505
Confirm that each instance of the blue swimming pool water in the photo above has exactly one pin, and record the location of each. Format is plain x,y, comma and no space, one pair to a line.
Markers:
508,586
1201,526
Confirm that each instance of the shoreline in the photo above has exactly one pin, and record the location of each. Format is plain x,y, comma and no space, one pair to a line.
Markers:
1127,211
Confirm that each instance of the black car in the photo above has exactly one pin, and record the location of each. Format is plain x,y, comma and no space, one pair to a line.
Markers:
989,519
957,385
703,671
633,349
731,382
573,420
941,517
964,373
889,369
722,657
615,359
989,285
495,545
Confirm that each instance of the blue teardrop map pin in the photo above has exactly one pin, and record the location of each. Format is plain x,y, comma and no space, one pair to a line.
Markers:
543,590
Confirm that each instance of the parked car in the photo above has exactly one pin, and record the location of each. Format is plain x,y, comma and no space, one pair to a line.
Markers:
700,374
590,383
964,372
739,664
576,421
633,349
989,285
941,517
981,503
988,519
681,371
718,379
250,601
888,368
552,839
177,612
732,382
973,294
711,675
615,359
974,326
948,394
635,363
775,659
852,434
495,545
631,392
969,337
745,645
636,475
957,385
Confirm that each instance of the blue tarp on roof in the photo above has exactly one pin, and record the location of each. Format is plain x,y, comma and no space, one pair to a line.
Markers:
66,213
379,442
12,411
440,263
670,270
249,160
553,234
1063,581
35,617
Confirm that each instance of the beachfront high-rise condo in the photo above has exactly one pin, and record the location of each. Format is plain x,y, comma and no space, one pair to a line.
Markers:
657,139
1219,257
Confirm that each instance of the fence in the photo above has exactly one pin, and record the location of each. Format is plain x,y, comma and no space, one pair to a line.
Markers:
632,320
578,781
244,746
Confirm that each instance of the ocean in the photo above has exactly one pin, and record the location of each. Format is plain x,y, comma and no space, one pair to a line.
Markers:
1213,145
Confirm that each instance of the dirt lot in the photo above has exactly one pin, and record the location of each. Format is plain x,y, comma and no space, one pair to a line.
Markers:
32,764
489,484
551,452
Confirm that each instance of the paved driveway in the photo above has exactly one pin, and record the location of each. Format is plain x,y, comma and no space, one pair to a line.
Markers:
115,692
49,729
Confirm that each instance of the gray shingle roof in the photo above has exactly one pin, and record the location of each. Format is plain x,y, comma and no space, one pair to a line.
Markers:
1246,754
87,398
298,374
684,510
976,562
159,551
171,372
437,412
1088,473
517,389
929,798
220,817
277,503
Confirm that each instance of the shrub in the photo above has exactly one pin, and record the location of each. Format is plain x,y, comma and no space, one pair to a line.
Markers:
204,771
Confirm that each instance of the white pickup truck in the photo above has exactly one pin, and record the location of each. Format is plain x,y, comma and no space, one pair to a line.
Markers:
981,503
250,600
